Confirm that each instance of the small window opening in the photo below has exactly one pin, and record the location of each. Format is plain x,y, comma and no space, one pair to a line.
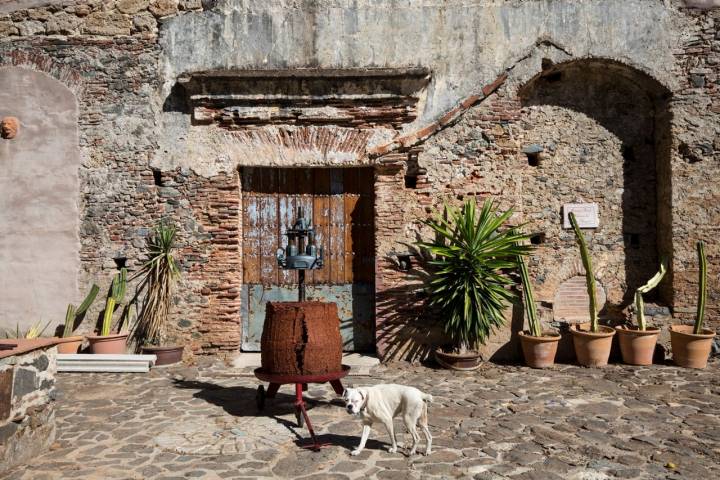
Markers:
537,238
633,240
157,177
410,181
553,77
628,153
533,159
120,262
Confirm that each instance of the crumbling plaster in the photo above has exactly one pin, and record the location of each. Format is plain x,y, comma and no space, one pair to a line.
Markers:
466,45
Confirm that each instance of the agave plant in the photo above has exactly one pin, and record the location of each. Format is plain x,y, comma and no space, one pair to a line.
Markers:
530,307
589,275
468,284
158,277
117,294
35,331
652,283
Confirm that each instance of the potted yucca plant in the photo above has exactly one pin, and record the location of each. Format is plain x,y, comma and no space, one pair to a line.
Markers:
691,344
637,344
159,274
468,284
539,346
592,341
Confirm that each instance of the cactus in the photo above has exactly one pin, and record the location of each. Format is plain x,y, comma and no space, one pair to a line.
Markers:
702,289
589,276
73,313
117,294
652,283
530,307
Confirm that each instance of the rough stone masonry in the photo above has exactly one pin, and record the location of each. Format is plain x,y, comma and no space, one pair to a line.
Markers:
535,104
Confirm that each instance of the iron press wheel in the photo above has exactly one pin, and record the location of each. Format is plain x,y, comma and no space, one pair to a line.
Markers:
299,417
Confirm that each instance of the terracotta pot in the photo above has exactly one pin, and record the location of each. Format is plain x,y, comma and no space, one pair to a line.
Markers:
111,344
165,355
539,352
637,346
456,361
592,349
688,349
69,344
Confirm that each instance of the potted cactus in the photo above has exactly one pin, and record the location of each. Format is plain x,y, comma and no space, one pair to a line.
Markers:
592,341
637,344
691,344
70,343
468,284
107,342
538,346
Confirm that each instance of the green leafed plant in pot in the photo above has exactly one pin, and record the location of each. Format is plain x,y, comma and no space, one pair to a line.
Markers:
691,344
592,341
637,344
107,342
539,347
70,343
159,275
468,284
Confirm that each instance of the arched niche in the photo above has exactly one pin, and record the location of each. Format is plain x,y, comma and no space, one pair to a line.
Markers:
39,192
604,132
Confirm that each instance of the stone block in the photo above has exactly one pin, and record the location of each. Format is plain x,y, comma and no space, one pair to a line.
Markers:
144,22
25,382
163,8
62,23
7,431
107,23
132,6
7,28
30,27
6,382
41,363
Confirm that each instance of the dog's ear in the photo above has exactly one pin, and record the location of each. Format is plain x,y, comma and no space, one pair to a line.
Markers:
345,393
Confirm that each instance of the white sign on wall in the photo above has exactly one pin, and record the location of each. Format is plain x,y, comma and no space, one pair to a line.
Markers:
586,215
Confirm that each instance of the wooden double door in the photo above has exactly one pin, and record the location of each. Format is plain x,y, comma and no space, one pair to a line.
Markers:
340,204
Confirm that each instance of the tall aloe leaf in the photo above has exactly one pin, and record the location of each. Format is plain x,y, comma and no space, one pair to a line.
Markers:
117,293
530,307
652,283
702,289
589,275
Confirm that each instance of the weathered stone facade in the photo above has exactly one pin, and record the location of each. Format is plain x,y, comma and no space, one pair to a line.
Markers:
27,411
174,97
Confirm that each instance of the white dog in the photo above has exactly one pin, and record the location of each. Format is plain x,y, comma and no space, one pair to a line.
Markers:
381,403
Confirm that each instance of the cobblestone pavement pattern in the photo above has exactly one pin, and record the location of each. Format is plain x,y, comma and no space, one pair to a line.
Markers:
496,423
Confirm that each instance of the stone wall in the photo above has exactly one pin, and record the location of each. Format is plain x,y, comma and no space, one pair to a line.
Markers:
27,393
146,155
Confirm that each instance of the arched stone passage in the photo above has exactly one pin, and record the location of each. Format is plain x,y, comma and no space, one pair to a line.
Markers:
604,135
39,246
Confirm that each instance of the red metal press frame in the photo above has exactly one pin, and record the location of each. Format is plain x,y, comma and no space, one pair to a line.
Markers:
300,381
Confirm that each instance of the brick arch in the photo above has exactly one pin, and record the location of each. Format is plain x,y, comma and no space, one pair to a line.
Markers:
44,64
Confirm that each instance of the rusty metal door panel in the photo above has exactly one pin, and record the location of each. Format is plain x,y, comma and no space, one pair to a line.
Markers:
340,204
355,304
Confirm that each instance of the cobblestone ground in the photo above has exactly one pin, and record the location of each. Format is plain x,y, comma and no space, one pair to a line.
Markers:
496,423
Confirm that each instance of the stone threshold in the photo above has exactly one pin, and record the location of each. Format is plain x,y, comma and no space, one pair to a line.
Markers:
360,364
125,363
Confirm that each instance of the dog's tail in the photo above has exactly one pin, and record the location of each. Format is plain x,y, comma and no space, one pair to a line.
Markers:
427,398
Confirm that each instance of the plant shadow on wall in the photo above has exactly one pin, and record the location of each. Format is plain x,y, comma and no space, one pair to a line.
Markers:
630,112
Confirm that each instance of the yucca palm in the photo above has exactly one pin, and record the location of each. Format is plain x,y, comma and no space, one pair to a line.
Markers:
468,285
158,276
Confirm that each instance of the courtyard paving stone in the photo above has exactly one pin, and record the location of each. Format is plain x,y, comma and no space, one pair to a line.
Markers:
496,423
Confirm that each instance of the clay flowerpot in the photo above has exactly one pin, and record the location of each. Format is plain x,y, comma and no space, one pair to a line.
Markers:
109,344
592,349
637,346
688,349
165,355
457,361
539,352
69,344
